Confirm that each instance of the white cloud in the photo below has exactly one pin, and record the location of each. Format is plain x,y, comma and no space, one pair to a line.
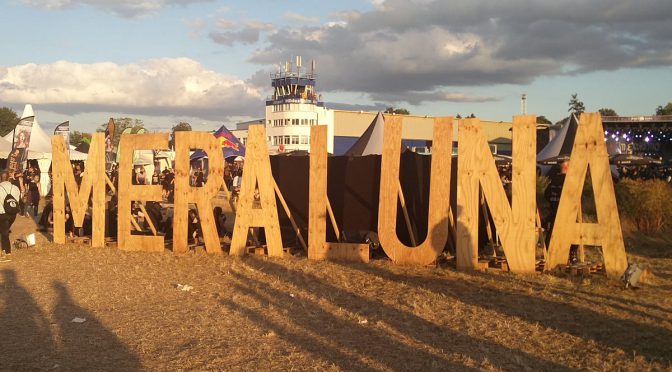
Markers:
124,8
300,18
168,86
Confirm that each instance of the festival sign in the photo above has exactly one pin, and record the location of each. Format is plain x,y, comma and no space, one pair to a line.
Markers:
21,141
63,129
476,170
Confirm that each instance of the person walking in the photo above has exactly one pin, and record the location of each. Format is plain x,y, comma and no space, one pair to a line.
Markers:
9,207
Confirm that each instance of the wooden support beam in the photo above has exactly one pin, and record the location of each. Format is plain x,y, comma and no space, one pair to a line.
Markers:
407,218
289,214
332,218
149,220
110,184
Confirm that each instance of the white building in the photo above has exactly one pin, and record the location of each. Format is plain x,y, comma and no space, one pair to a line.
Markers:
292,109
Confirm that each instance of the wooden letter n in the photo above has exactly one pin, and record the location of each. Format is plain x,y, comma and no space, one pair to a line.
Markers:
515,222
589,150
93,181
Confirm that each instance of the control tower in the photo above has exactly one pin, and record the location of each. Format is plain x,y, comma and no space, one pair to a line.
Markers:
294,107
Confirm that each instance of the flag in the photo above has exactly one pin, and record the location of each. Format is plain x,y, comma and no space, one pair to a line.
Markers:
230,145
64,130
21,141
110,155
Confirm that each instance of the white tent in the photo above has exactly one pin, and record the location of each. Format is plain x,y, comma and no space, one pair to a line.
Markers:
39,148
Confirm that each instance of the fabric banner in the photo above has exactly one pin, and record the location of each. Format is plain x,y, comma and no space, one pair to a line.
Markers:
63,129
17,158
110,155
125,131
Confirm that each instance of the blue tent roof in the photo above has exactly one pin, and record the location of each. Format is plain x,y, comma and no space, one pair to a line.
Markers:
231,146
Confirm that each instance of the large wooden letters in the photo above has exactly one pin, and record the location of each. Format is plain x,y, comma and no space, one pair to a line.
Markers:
515,222
589,150
93,181
257,172
201,196
318,247
128,192
439,194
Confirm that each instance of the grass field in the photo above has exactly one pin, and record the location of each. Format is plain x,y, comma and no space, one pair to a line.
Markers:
256,313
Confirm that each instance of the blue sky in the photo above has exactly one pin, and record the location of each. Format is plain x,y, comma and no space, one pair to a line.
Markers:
207,62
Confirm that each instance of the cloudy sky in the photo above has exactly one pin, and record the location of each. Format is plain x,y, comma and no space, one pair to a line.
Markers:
208,62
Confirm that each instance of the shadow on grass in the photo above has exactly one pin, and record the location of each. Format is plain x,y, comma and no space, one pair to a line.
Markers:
391,337
29,342
630,336
89,345
25,337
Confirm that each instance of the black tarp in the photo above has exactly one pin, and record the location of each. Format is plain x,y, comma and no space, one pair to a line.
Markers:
353,187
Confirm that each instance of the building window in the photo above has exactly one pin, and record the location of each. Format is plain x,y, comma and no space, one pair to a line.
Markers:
305,140
286,140
295,140
287,122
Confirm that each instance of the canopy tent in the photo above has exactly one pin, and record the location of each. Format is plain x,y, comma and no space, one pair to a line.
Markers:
231,146
562,143
39,148
371,141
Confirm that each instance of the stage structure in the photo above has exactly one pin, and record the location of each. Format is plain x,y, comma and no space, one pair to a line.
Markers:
257,207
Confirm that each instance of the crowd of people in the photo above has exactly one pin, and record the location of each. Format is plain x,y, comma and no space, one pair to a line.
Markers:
646,172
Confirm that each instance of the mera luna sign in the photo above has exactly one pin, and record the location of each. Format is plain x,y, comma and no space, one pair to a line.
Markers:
515,221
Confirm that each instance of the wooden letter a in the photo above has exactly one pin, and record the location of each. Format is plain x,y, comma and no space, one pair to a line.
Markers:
589,149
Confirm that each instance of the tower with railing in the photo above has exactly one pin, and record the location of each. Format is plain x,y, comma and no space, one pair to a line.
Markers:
294,107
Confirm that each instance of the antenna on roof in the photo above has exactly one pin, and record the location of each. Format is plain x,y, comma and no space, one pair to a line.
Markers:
313,64
523,104
298,61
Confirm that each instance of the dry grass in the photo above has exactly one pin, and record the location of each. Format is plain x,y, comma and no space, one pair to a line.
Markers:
293,314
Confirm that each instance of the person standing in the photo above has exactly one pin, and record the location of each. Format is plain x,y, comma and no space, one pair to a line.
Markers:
9,207
34,193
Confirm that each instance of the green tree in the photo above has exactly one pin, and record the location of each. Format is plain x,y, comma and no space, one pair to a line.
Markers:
179,127
667,110
120,124
472,116
575,105
77,137
458,116
396,111
8,120
607,112
543,120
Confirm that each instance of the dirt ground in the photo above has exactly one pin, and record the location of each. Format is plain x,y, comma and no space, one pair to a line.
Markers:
256,313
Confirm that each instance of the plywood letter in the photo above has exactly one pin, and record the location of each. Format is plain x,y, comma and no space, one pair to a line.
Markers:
127,192
318,247
439,194
257,172
201,196
515,222
93,181
589,149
